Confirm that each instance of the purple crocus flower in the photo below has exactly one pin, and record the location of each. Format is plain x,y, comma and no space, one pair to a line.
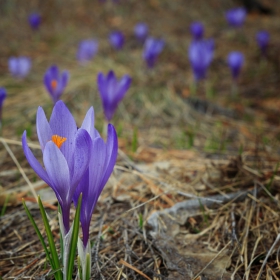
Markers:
262,38
112,91
236,16
152,48
87,50
116,39
235,61
197,30
200,56
55,82
102,160
3,95
66,154
34,20
19,66
141,31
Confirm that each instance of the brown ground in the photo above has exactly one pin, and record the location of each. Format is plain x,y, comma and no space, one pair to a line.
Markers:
216,154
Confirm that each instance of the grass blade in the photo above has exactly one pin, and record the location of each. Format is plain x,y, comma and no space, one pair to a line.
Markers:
39,235
51,240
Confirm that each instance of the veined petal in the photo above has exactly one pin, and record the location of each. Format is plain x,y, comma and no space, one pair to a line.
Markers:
82,154
43,128
63,124
96,172
111,153
35,164
88,123
58,172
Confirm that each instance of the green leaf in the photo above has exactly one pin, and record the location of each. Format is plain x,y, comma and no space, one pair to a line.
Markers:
74,240
58,274
50,240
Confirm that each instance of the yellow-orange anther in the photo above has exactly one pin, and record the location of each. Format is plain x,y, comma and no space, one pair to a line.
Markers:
58,140
54,84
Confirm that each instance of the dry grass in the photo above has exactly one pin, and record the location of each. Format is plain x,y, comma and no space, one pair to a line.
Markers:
204,176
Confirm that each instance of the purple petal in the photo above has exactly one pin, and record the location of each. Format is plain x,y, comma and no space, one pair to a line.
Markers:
34,163
123,87
58,172
112,153
88,124
63,124
43,128
83,145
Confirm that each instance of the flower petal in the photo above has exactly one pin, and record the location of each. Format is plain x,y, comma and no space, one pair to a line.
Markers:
111,153
88,124
58,172
82,154
43,128
63,124
35,164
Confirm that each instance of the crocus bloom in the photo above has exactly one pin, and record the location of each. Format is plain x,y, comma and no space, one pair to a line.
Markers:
87,50
197,30
200,56
236,17
112,91
116,39
55,82
262,38
66,154
3,95
235,61
152,48
102,160
141,31
19,66
34,20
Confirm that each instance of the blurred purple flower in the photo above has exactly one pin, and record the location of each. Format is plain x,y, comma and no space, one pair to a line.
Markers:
262,38
236,16
34,20
200,56
197,30
112,91
19,66
141,31
66,154
116,39
235,61
55,82
152,48
102,160
87,50
3,95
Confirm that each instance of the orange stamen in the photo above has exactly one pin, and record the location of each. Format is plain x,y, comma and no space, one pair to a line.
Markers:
58,140
54,84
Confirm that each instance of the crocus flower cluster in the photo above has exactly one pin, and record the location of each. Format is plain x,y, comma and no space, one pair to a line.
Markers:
34,20
152,48
141,31
116,39
200,56
55,82
262,38
236,16
197,30
112,91
87,50
19,66
235,62
76,160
